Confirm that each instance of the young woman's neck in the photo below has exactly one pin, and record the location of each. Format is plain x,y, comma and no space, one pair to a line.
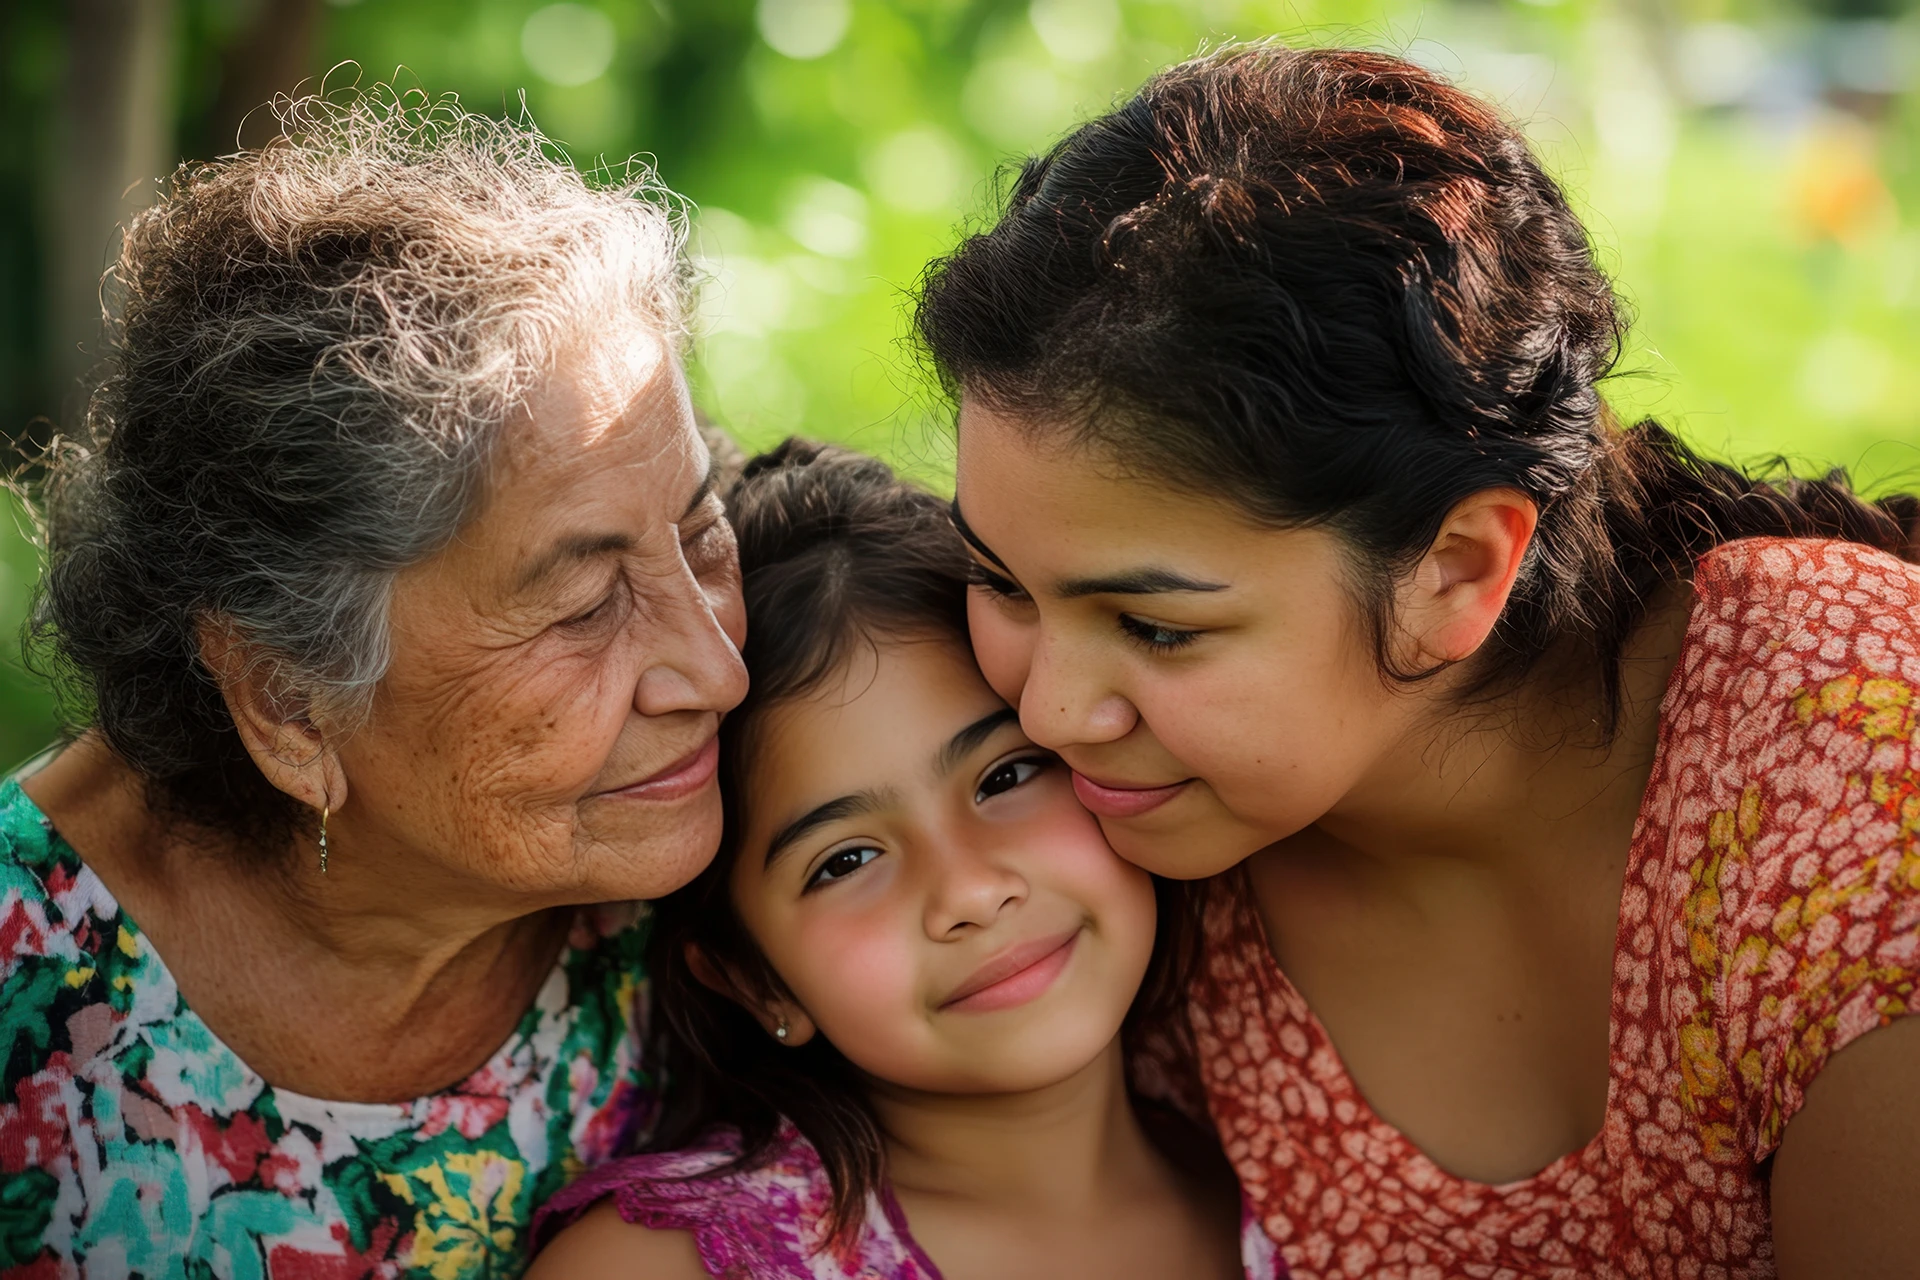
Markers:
1491,782
1070,1147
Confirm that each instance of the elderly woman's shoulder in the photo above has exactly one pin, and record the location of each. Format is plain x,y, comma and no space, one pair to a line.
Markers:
45,892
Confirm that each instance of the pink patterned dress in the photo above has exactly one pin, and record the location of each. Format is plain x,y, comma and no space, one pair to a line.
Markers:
767,1222
1771,915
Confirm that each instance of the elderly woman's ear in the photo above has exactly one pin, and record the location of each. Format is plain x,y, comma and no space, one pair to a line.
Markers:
278,721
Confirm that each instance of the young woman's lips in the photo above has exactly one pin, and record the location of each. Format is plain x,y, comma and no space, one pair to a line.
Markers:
1014,977
682,778
1121,802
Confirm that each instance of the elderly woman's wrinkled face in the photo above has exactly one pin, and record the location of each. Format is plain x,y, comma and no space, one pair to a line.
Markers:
548,725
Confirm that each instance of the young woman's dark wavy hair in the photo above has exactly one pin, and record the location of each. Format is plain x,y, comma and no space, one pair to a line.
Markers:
1335,290
835,552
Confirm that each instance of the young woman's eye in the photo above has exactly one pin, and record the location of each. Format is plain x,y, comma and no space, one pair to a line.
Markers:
840,864
1006,588
1156,637
1005,777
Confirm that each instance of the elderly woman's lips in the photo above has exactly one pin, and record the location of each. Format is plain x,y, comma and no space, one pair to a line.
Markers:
682,778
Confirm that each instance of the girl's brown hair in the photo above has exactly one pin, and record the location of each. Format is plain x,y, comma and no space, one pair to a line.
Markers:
835,552
1337,290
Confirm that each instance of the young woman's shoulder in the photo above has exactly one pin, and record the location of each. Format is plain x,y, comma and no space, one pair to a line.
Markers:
1808,587
603,1245
1782,897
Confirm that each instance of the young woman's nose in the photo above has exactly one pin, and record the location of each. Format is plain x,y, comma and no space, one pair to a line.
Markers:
971,886
1067,700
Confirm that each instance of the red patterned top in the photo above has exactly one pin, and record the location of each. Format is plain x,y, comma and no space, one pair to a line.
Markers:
1771,915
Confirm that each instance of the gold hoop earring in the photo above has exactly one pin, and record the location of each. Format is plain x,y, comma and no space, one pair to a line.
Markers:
324,811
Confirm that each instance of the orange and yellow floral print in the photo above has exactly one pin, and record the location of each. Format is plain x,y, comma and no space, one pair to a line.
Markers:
1770,916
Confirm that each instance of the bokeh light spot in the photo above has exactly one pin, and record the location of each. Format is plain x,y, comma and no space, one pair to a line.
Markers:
920,169
803,29
568,44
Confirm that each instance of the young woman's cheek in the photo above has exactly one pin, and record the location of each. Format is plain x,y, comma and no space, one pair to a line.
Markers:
1002,645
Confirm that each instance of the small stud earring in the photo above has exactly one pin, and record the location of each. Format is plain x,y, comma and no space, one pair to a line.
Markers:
780,1032
324,811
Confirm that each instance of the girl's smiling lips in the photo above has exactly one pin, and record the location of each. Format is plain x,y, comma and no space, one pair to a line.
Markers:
1013,977
685,776
1109,801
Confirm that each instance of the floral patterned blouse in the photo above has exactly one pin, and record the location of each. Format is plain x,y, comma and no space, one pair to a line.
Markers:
768,1222
133,1143
1771,915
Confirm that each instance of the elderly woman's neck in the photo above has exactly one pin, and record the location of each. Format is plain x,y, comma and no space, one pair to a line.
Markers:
429,978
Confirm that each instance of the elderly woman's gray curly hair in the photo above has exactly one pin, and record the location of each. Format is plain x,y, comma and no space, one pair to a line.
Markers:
313,347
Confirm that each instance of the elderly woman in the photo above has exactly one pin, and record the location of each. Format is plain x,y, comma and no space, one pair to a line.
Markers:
394,576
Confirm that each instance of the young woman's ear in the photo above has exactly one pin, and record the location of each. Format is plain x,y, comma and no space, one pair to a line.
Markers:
780,1014
1460,587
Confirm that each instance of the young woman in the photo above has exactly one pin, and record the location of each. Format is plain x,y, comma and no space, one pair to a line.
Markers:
892,1009
1567,781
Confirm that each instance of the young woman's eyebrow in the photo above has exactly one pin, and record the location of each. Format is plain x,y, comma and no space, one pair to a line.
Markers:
851,806
1148,581
962,744
971,538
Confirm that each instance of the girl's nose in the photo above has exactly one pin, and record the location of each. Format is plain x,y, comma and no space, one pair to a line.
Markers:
971,888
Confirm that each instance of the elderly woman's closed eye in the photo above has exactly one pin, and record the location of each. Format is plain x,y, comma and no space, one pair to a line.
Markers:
391,566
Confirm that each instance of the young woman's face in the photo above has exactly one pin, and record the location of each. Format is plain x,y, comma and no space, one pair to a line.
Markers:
921,877
1210,682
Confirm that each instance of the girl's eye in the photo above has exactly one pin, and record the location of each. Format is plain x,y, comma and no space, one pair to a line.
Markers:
1156,637
1005,777
981,576
840,864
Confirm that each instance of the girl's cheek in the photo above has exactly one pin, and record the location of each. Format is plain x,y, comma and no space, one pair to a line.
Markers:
856,975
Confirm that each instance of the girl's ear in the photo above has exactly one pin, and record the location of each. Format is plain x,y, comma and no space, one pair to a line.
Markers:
781,1015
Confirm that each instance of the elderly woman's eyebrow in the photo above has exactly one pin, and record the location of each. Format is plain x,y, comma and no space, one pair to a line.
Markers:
571,550
589,546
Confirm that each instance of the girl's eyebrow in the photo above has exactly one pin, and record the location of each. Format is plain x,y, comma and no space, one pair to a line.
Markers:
851,806
957,748
963,743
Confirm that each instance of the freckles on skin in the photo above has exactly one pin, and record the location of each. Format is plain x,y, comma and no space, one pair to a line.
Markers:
494,720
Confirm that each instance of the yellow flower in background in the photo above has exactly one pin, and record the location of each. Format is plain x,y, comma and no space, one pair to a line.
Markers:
465,1213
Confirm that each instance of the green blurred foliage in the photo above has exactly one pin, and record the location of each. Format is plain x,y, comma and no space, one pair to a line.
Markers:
1750,169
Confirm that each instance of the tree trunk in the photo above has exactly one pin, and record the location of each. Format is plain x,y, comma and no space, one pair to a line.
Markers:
113,139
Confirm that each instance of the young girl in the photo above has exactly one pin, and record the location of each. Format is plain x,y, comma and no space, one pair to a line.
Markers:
893,1006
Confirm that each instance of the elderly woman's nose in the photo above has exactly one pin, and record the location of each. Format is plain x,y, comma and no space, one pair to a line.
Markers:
693,658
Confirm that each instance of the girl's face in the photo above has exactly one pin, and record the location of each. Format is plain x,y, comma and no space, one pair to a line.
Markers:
922,879
1210,681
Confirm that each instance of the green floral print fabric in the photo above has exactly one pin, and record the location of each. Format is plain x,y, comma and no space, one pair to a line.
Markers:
133,1143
